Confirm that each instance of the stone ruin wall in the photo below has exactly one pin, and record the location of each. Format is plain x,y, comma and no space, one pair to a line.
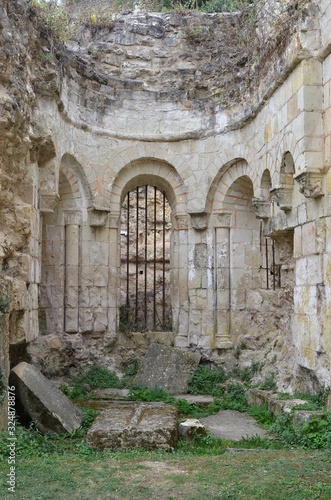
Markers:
141,104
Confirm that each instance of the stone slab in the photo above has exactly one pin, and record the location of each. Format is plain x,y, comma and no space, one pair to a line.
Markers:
197,399
47,406
167,368
233,425
110,393
127,425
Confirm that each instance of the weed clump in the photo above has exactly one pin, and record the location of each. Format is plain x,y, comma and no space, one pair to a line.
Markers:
207,381
314,434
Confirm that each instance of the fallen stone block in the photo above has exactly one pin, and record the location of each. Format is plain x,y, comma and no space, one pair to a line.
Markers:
191,428
124,425
167,368
47,406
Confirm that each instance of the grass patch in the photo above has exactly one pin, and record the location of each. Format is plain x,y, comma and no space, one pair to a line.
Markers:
277,474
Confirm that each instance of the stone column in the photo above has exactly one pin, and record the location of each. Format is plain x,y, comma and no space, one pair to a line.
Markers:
180,305
72,222
114,276
221,224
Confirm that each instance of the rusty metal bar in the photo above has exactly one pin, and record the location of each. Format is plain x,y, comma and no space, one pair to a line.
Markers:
279,283
273,265
146,256
163,258
267,262
137,250
128,253
154,277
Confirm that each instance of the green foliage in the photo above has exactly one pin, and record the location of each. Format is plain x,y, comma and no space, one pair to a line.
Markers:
98,377
201,446
314,434
269,383
31,443
207,381
75,392
150,395
5,296
261,414
235,398
56,20
224,5
185,408
256,442
131,369
246,374
3,387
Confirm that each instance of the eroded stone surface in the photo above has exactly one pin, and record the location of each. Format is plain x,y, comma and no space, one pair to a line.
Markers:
167,368
47,406
135,425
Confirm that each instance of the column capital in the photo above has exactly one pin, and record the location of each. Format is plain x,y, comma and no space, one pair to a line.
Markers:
72,218
222,219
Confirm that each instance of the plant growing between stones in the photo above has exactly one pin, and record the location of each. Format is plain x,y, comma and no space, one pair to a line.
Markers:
5,296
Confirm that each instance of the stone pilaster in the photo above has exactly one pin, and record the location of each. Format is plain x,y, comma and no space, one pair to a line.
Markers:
71,298
180,304
222,271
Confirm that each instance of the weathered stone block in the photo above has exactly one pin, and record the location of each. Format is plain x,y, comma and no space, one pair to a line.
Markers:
278,406
51,410
305,415
167,368
258,397
191,428
135,425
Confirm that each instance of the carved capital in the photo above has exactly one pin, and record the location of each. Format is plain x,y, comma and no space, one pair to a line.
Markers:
261,208
199,220
282,196
72,218
222,219
310,183
48,201
114,220
97,218
181,221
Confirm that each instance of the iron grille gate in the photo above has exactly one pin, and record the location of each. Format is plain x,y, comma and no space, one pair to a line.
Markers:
145,261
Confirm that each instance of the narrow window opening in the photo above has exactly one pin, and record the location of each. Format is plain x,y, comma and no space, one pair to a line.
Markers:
145,261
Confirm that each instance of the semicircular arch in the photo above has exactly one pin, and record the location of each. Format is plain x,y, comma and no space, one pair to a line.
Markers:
150,171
